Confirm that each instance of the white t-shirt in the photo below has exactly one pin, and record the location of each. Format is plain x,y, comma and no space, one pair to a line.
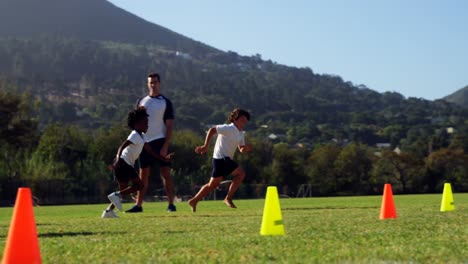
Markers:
132,151
159,109
229,138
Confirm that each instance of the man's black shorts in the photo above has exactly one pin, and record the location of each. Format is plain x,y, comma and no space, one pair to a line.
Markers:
223,167
124,172
147,160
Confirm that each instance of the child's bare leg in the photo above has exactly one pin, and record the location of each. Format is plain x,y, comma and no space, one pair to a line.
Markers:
137,185
110,207
238,176
204,190
229,203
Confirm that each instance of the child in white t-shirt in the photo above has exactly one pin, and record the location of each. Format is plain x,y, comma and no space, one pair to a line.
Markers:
127,154
230,137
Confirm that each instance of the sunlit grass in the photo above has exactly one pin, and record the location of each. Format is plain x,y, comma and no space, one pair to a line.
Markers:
323,230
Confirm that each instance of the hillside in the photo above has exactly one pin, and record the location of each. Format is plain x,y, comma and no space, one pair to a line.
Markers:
459,97
85,63
96,19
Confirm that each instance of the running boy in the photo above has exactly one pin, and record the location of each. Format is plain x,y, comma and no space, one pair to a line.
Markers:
230,137
127,153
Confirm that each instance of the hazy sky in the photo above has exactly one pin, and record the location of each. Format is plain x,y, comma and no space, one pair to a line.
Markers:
418,48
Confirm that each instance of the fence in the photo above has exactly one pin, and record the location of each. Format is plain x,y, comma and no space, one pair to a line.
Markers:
58,192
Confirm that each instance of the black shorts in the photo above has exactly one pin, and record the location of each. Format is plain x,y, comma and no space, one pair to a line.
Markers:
147,160
124,172
223,167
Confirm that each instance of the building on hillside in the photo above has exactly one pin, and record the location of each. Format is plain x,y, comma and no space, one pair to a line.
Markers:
383,145
183,55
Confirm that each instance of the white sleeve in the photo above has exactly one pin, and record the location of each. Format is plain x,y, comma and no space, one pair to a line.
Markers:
135,138
222,129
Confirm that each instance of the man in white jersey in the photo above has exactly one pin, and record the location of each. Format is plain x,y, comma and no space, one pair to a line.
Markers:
230,137
158,136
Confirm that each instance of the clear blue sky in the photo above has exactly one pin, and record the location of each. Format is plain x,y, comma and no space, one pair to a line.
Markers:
418,48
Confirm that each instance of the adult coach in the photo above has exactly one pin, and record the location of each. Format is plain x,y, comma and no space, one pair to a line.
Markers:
160,122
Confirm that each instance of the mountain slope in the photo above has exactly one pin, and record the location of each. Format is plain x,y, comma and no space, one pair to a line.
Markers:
96,19
75,79
459,97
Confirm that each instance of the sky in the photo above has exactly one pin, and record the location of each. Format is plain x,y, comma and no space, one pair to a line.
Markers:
418,48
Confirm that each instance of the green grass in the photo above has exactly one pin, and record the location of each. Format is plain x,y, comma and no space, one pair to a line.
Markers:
318,230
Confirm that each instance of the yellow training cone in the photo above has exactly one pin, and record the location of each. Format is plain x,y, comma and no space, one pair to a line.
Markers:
272,222
447,199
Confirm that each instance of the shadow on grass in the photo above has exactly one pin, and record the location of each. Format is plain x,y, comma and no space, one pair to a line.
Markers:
37,224
189,216
41,224
172,232
72,234
328,208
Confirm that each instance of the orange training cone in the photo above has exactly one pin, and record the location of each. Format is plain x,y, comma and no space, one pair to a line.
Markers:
387,209
22,245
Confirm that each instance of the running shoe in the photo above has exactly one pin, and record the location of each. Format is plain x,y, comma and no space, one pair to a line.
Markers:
115,200
171,208
109,214
135,209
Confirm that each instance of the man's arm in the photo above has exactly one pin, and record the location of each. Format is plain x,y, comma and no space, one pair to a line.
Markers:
148,148
169,125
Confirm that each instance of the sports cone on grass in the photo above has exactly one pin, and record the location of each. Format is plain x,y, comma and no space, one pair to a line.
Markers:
387,210
22,245
447,199
272,222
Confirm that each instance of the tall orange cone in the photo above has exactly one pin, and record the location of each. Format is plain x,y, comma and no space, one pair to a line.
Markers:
387,210
272,222
22,245
447,203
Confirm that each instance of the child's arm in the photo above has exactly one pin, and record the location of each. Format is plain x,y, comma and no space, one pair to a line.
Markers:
156,155
204,148
245,148
119,152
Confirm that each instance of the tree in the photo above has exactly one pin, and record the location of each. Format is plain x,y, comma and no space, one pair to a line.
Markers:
188,167
403,169
353,166
287,167
18,138
321,171
18,127
447,165
460,141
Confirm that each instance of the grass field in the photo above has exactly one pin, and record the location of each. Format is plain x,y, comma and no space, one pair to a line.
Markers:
318,230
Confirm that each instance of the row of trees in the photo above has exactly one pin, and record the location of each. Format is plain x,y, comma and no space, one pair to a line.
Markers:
65,163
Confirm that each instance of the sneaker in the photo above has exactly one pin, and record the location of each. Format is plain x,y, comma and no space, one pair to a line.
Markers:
171,208
109,214
135,209
115,200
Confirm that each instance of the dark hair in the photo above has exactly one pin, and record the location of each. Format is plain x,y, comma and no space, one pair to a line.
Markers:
135,116
237,113
154,75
